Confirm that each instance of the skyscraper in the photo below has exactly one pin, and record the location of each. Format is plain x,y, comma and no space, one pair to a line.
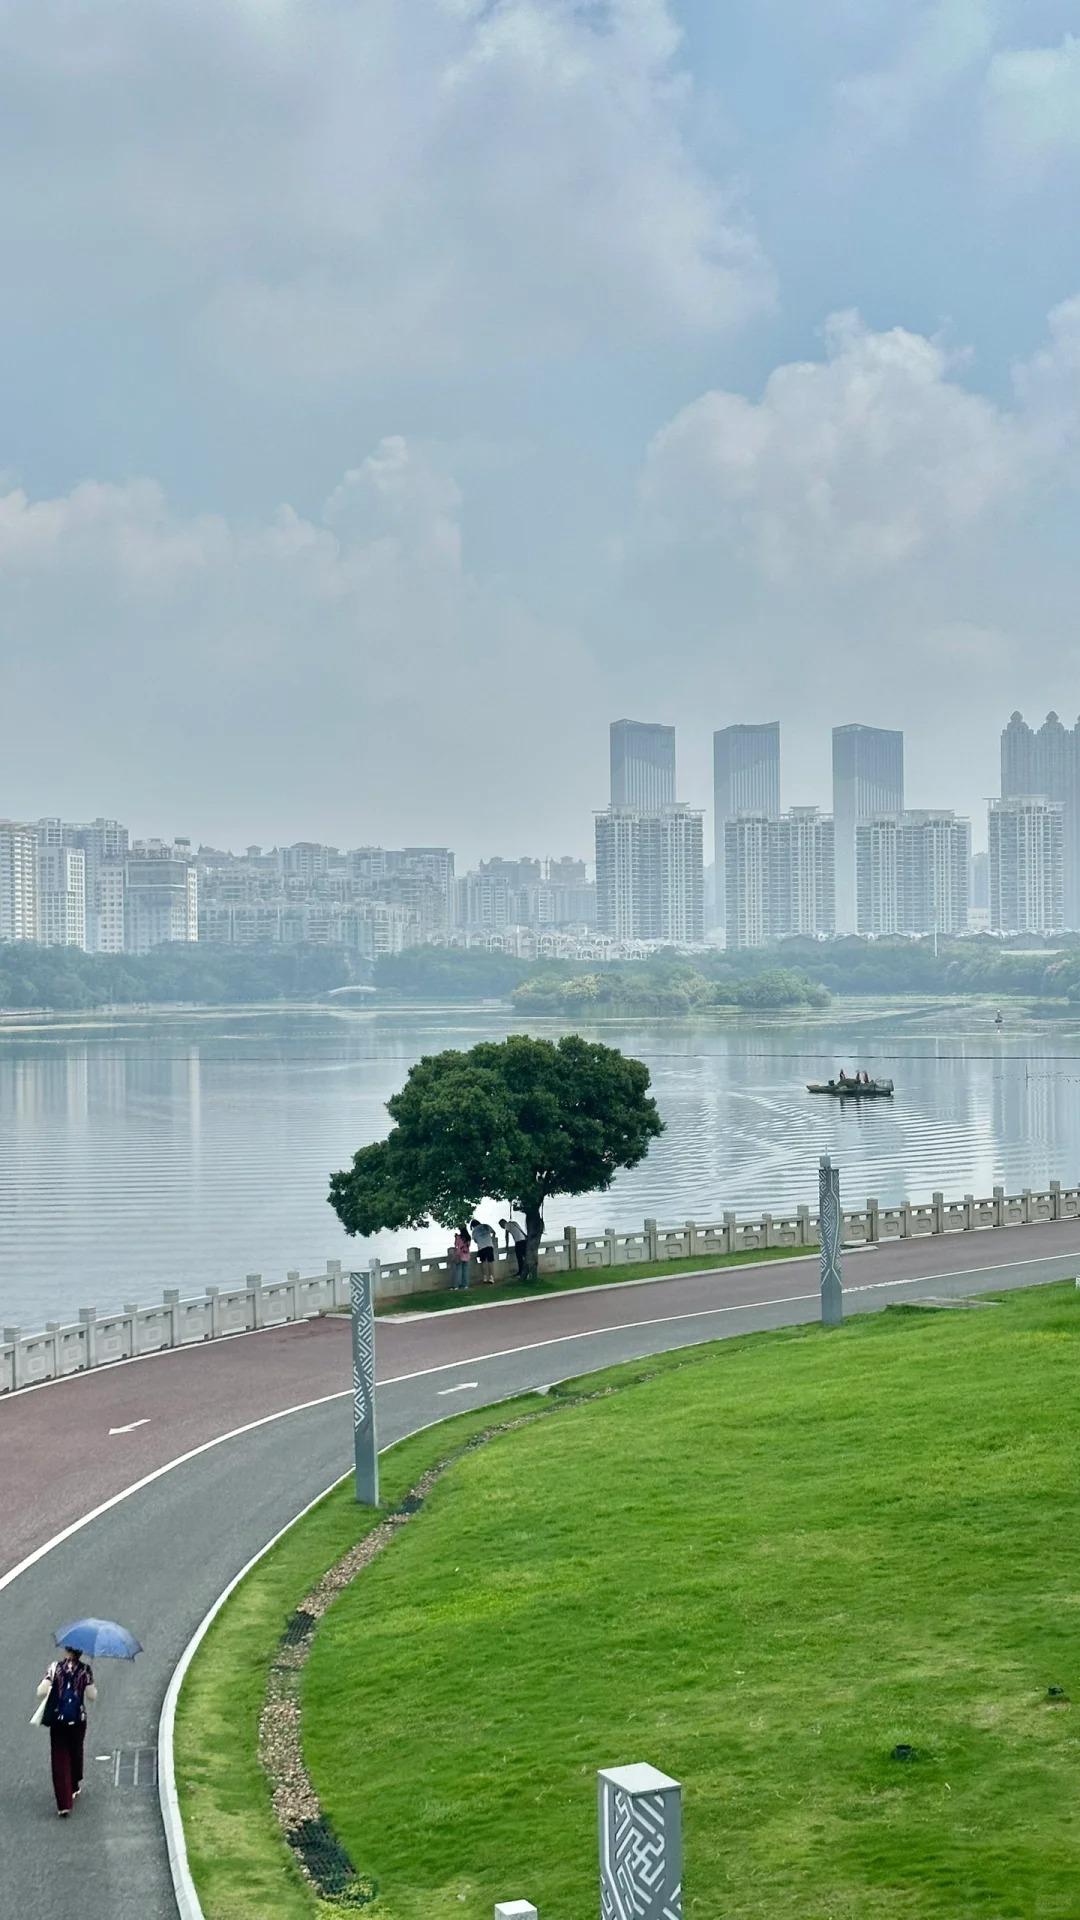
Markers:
1026,866
161,895
913,873
868,779
642,765
746,779
650,877
1046,764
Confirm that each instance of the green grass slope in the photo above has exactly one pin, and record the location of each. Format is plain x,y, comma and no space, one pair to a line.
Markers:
760,1571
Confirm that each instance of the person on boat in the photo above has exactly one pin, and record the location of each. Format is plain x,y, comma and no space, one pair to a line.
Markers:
842,1078
865,1078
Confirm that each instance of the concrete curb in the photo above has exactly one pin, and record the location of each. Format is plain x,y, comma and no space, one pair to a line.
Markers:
187,1899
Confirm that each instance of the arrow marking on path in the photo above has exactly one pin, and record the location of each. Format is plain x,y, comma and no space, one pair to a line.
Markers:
460,1388
130,1428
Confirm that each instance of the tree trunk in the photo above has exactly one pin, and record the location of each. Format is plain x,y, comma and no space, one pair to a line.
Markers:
534,1233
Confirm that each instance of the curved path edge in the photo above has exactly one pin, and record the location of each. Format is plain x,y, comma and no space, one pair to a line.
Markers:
187,1898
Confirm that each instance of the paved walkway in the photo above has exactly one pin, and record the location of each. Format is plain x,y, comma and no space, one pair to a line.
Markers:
160,1556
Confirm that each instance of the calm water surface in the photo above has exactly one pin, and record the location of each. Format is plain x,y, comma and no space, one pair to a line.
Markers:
191,1150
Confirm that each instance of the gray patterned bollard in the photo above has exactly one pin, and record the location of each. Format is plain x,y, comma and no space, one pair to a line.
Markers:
832,1298
640,1844
365,1449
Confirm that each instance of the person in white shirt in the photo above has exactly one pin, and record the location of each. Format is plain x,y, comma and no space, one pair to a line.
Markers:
516,1234
484,1242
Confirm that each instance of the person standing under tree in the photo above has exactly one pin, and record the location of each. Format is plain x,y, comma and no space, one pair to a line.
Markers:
459,1260
484,1242
67,1686
516,1234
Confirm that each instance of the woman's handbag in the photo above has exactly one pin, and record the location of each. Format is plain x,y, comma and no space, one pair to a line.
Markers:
37,1718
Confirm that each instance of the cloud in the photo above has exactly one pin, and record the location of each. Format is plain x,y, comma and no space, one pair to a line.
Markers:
1032,109
846,467
345,674
945,41
335,191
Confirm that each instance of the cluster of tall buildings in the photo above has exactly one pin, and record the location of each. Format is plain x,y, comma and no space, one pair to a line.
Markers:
88,885
91,886
872,866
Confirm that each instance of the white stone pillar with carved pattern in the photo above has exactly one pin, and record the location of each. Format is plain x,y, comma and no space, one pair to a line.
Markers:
640,1844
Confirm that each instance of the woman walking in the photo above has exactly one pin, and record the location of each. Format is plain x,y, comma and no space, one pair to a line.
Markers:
67,1686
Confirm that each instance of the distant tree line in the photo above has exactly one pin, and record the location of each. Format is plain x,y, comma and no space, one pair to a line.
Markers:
65,979
672,982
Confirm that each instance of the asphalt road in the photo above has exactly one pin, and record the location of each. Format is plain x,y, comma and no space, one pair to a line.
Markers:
159,1557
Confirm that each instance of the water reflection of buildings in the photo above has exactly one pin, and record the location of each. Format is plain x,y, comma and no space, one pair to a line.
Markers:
1036,1120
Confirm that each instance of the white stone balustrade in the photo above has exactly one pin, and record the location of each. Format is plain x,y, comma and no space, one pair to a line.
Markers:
96,1339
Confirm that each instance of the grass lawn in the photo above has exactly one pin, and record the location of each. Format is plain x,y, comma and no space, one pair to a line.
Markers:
761,1571
241,1865
447,1300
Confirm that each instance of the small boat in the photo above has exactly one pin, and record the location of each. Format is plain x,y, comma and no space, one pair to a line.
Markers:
853,1089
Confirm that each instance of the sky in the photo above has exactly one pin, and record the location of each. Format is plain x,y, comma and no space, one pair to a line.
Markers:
392,396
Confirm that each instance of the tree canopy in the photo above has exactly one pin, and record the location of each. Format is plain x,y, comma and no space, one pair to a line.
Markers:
516,1120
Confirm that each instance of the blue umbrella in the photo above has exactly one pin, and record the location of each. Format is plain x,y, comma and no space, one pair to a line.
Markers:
101,1639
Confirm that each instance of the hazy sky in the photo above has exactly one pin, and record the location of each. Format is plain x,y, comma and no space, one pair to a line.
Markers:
397,392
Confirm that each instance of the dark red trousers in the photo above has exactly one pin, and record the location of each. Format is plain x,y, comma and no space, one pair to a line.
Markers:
67,1763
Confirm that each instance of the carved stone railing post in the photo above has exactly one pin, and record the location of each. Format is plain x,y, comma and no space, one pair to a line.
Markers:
832,1298
640,1844
365,1449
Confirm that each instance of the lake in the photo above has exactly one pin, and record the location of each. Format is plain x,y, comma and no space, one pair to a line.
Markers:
187,1150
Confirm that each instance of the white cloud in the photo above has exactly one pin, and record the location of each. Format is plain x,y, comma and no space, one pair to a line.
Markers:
1032,106
846,467
338,190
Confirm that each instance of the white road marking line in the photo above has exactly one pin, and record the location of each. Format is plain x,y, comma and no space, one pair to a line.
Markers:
158,1474
708,1313
131,1426
461,1387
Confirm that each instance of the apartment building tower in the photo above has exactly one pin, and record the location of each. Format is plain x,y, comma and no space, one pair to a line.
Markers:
746,779
868,779
61,896
650,875
913,873
1026,861
161,895
1045,763
779,875
18,881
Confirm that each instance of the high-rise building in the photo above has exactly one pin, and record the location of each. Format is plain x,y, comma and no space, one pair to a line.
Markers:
104,845
642,765
61,896
161,895
650,876
779,876
868,779
746,779
18,881
913,873
1045,763
1026,860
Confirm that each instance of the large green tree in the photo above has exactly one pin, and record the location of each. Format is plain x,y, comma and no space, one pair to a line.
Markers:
516,1120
